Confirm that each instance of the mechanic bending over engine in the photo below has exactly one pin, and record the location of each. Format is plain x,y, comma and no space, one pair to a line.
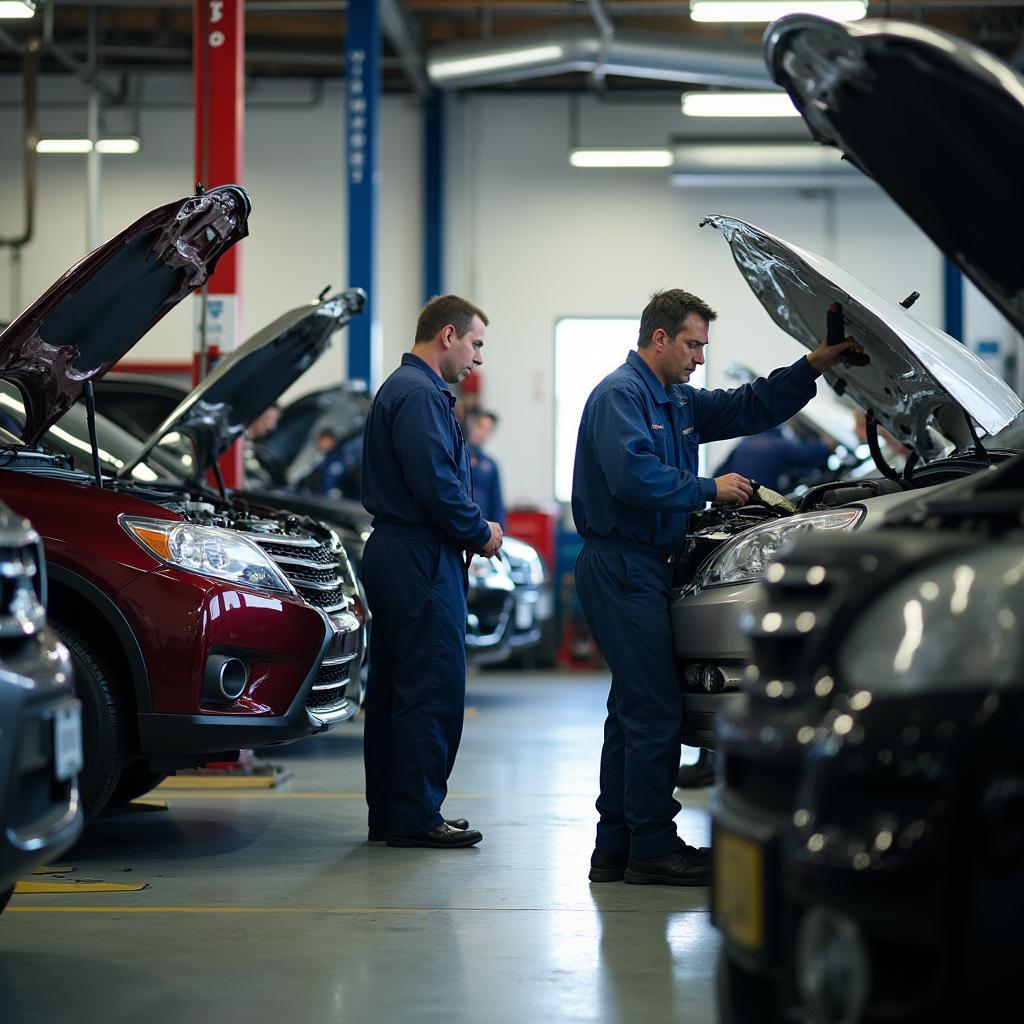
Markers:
635,479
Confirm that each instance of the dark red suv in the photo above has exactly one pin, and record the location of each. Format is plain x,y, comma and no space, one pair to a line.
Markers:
197,625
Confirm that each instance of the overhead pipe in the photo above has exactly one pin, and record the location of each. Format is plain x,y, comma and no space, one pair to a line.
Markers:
30,77
630,54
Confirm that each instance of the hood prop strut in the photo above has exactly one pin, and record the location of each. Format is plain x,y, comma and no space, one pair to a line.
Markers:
979,448
871,429
219,477
90,415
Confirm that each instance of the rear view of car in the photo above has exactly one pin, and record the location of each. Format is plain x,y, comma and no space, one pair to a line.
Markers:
40,719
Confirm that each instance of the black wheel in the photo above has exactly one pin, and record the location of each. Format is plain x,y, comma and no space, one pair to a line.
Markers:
700,773
103,730
136,780
5,897
743,998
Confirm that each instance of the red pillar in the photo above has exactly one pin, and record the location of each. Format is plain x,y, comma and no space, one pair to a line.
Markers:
218,57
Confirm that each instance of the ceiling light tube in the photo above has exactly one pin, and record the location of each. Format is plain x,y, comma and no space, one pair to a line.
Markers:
738,104
17,8
769,10
122,145
580,157
441,69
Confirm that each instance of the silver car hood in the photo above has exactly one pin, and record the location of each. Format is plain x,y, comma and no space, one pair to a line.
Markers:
936,122
217,411
918,376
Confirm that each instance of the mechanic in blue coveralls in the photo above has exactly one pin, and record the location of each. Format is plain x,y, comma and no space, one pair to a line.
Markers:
416,485
480,424
635,480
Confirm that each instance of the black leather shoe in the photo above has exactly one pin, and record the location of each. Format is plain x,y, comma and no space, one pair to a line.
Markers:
444,837
606,866
688,866
378,835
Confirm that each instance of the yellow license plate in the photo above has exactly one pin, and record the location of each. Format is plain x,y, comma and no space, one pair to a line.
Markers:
739,889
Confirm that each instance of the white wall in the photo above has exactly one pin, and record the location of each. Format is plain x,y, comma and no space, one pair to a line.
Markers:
295,175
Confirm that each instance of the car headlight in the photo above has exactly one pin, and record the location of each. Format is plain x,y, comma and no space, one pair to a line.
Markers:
951,625
208,551
745,557
527,565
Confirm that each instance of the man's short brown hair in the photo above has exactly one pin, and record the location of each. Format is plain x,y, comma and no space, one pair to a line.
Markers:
668,310
442,310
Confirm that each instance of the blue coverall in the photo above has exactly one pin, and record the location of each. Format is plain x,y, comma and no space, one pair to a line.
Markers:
416,484
771,456
634,480
487,485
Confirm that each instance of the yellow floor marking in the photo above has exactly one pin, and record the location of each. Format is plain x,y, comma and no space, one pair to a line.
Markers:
218,782
32,888
50,870
353,911
150,805
197,795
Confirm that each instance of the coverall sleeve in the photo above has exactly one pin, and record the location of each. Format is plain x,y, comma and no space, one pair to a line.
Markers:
635,473
420,430
807,453
752,408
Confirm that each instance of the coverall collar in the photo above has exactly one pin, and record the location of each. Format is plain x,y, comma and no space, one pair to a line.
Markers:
408,359
656,388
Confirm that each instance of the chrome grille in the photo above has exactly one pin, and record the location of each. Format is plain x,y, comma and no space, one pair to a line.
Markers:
312,568
22,581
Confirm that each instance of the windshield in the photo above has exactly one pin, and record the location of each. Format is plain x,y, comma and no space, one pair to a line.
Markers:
71,437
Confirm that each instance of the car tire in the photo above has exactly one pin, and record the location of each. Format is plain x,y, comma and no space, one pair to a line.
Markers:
700,773
743,998
137,779
103,739
5,897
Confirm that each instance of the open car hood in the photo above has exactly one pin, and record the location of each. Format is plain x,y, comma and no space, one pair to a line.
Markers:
100,308
935,121
917,376
215,413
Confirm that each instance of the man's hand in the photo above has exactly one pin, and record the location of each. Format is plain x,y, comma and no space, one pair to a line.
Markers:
493,546
732,489
826,355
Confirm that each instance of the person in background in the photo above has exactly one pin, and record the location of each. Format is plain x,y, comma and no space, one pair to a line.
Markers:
480,424
426,526
776,458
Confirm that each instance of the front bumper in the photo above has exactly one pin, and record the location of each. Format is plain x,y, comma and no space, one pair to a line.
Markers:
40,809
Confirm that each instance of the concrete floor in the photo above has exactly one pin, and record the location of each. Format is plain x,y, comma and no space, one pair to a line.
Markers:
271,905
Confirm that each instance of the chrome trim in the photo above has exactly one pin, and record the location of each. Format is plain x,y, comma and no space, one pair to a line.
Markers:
303,562
295,542
310,585
343,660
322,720
338,684
31,843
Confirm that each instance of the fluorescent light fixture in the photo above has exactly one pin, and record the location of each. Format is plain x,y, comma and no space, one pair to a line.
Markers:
112,146
738,104
125,145
63,146
493,61
769,10
620,158
17,8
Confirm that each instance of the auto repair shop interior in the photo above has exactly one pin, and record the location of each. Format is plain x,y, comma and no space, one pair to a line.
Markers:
221,220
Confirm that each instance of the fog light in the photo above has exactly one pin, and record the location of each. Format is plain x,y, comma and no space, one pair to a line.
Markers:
712,679
225,677
691,676
832,967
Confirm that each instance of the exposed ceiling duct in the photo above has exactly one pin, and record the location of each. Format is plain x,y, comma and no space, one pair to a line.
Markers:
630,54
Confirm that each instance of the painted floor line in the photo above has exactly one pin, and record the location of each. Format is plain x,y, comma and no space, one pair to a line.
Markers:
363,911
184,792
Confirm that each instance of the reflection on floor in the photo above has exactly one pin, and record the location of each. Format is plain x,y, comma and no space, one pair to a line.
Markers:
269,905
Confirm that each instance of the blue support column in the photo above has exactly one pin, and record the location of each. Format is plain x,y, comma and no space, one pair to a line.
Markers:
952,299
362,64
433,196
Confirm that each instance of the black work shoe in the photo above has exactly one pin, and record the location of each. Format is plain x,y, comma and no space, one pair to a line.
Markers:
688,866
378,835
444,837
606,866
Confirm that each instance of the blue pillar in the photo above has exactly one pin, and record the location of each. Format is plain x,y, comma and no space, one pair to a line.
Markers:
433,196
362,64
952,299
